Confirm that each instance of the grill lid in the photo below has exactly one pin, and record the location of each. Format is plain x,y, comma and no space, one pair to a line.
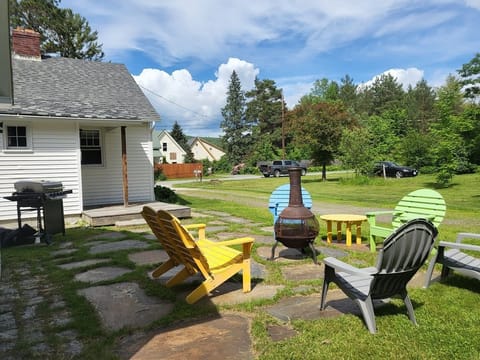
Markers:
38,186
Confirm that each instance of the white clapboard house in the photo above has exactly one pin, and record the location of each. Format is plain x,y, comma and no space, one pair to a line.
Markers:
86,124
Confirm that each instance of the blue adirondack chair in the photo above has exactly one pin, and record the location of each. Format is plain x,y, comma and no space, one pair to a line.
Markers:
279,200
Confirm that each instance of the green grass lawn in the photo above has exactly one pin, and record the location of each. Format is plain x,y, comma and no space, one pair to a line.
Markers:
462,196
448,313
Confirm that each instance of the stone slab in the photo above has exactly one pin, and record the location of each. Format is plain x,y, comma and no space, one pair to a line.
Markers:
117,246
63,252
148,257
264,239
225,337
237,220
80,264
230,293
303,272
327,251
308,307
101,274
125,305
216,228
231,235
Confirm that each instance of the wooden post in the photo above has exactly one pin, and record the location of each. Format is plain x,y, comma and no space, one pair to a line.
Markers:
283,128
124,166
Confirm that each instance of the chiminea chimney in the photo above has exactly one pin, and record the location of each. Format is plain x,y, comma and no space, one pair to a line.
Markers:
26,44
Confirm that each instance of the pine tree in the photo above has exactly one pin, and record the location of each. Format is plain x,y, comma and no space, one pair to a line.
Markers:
470,79
237,133
264,110
182,140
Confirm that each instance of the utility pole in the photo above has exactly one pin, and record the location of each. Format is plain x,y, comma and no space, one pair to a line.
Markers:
283,128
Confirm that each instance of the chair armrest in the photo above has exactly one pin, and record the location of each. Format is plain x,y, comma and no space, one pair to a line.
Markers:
385,212
194,226
458,246
239,241
342,266
200,227
462,236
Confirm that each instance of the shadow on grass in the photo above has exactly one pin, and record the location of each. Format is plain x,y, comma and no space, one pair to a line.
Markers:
433,185
462,282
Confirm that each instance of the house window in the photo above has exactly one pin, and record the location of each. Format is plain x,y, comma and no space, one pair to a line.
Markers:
164,146
17,137
91,147
173,156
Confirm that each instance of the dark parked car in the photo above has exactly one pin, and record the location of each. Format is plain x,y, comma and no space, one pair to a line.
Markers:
393,170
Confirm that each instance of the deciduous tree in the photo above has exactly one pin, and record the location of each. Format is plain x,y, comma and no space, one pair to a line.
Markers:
317,128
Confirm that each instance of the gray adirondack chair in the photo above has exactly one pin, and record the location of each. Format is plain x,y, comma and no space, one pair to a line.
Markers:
279,200
403,253
452,256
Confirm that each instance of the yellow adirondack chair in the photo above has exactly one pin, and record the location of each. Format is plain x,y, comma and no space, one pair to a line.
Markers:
419,204
215,261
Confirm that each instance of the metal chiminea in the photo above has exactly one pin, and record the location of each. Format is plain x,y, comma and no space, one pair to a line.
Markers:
296,226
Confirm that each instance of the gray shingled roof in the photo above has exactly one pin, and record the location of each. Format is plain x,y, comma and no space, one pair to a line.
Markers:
61,87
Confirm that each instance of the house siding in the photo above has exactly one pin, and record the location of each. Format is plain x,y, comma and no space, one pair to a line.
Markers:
202,150
51,140
104,184
172,147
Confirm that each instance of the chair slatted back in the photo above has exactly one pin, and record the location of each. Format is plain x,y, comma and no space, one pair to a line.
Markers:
403,253
185,245
421,203
150,216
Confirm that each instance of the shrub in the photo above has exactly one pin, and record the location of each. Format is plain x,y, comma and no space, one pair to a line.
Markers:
165,194
158,175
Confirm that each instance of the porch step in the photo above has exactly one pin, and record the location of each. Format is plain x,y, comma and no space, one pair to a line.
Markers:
111,215
134,222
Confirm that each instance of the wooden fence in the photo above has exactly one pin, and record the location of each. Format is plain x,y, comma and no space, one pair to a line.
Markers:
181,171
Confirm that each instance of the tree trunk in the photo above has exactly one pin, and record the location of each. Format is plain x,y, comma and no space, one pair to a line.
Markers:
324,172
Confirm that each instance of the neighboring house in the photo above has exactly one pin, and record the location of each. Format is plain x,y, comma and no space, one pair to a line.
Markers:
202,150
84,123
166,148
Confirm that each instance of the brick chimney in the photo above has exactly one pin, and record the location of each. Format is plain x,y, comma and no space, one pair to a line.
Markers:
26,44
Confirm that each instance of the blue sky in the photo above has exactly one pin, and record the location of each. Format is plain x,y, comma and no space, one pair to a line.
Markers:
183,52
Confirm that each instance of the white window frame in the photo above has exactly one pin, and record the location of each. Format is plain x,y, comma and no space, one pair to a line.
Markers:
100,145
28,137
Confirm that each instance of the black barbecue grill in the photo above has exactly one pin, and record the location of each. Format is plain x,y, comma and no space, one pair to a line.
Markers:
46,199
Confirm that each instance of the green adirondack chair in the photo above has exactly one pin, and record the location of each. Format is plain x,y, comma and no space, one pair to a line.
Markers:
419,204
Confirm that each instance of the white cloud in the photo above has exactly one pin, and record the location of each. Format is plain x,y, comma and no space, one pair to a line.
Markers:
194,105
172,30
406,77
473,3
